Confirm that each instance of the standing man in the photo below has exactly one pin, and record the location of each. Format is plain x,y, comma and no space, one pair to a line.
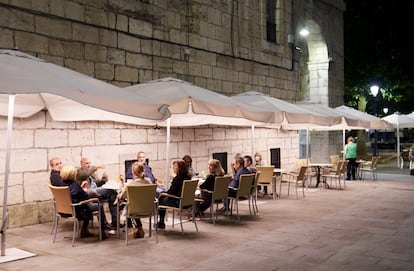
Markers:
141,157
89,181
350,155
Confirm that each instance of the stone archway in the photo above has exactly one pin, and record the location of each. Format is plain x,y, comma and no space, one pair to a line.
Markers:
313,66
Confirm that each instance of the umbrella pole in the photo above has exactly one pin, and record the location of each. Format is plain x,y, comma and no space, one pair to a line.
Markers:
6,174
398,146
253,139
167,153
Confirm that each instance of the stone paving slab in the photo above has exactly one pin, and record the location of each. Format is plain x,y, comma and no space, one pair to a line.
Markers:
368,226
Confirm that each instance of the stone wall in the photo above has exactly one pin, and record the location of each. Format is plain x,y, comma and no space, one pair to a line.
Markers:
215,45
218,44
38,139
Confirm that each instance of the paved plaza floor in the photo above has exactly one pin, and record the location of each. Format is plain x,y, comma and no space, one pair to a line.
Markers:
367,226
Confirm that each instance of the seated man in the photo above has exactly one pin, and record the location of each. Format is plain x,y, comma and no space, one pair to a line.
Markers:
147,173
56,166
240,169
89,181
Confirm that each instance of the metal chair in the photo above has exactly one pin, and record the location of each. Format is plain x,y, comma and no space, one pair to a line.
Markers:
219,195
371,167
64,208
242,192
141,203
186,202
266,178
335,175
253,196
297,180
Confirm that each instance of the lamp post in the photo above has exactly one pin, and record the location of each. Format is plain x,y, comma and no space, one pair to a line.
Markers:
374,91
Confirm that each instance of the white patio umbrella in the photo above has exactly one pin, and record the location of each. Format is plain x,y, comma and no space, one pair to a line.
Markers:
399,121
347,122
191,106
291,116
373,121
30,84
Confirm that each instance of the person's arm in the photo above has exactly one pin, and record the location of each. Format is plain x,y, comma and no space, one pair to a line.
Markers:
84,174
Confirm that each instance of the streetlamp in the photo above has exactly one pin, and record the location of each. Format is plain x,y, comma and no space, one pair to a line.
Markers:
374,91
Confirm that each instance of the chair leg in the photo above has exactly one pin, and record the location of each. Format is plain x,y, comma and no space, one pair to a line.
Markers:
75,230
55,228
126,231
193,214
181,220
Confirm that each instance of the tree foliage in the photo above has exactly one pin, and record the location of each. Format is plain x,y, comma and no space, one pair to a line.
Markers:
378,51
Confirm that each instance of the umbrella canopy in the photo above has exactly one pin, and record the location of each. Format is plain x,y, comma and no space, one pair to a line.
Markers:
291,116
399,121
346,122
39,84
373,121
191,105
29,84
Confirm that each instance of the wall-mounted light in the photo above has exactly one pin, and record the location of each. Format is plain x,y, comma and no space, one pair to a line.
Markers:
304,32
385,110
156,127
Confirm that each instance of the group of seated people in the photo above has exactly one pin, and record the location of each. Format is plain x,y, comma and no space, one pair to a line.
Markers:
84,183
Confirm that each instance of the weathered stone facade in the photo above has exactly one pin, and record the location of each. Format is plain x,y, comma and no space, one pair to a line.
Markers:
220,45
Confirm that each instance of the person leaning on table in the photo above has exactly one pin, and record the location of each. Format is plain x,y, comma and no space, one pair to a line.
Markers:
89,181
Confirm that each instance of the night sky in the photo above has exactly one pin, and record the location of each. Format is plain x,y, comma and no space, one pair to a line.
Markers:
379,38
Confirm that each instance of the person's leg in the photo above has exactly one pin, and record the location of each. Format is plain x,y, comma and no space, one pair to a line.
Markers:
104,224
162,201
348,170
109,195
353,166
140,231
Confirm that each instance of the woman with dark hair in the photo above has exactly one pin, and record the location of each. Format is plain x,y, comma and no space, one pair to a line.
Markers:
189,161
215,169
180,168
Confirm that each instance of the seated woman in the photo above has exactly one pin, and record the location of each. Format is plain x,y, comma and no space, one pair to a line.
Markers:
180,168
215,169
83,212
138,179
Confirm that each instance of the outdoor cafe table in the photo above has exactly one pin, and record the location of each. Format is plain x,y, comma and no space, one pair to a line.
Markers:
318,167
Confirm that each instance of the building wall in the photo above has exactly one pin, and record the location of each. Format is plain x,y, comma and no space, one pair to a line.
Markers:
38,139
218,44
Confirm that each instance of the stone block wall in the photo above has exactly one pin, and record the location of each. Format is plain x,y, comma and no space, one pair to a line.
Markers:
219,45
38,139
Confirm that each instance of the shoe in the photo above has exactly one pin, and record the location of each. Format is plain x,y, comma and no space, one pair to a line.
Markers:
348,179
112,232
161,225
85,233
108,227
139,233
